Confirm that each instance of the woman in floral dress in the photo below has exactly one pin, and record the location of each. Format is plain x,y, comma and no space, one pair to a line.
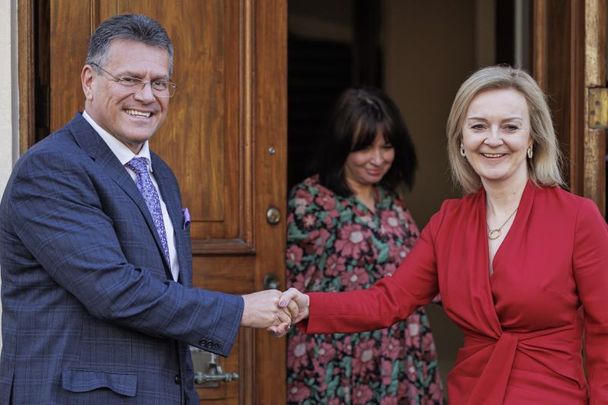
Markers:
347,228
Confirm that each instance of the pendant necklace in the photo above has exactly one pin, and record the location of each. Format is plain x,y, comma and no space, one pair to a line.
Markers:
495,233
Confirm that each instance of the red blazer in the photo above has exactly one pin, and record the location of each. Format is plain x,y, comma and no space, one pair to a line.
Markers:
523,324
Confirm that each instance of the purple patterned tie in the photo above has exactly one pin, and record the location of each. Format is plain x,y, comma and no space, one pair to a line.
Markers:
148,191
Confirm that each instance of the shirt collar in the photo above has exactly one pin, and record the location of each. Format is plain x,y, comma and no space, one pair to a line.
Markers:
120,150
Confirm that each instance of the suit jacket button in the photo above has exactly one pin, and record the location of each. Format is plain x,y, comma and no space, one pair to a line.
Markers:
178,379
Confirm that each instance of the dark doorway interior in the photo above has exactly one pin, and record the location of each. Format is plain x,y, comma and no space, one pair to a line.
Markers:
317,72
319,69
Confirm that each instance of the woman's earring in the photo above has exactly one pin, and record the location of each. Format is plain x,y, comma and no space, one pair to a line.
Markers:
462,150
530,152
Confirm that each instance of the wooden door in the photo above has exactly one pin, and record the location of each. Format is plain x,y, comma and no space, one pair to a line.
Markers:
225,138
569,43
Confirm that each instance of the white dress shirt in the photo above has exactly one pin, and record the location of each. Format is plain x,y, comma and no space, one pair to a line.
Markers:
124,155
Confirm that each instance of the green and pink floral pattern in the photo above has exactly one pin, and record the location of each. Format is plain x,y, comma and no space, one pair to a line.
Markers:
338,244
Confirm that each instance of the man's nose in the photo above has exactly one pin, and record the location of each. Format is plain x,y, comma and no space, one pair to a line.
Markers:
145,92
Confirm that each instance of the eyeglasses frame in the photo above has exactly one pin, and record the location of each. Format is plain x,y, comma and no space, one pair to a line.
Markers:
137,82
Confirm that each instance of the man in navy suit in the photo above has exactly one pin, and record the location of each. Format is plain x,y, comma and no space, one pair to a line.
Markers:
97,298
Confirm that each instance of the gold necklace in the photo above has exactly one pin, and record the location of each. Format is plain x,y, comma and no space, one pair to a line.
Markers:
495,233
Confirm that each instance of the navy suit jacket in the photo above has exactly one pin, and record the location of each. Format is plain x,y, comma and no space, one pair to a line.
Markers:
90,313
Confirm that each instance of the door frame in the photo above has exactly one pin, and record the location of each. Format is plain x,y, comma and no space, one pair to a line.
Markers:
569,63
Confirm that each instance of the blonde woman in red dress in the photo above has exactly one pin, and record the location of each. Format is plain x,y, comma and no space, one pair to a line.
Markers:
521,264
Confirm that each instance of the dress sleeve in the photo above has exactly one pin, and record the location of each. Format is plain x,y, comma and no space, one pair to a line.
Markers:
591,272
304,228
390,300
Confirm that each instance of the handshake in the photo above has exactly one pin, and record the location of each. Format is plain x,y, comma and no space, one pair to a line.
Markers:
274,310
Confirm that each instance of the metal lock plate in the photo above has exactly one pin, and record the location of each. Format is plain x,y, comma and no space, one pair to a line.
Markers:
598,108
207,370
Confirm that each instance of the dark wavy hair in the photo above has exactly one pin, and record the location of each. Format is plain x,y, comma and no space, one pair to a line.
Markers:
358,115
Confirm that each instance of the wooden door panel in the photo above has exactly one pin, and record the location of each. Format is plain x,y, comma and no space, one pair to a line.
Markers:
557,69
596,80
225,138
569,63
230,273
70,28
205,139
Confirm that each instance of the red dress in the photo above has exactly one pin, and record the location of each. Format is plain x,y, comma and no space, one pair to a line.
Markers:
523,324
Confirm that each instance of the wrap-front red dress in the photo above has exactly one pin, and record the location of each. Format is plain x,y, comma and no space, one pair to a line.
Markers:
524,323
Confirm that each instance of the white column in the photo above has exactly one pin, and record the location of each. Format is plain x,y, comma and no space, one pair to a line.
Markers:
8,93
8,90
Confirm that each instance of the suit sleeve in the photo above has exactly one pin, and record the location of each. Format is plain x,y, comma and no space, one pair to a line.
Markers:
390,300
60,220
591,271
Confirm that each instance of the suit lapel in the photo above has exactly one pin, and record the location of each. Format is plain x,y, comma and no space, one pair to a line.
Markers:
93,144
170,194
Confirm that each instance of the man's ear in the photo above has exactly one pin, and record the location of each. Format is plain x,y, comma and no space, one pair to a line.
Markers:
86,78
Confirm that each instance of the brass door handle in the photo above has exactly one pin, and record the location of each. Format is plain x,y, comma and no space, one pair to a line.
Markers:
271,281
201,378
213,374
273,215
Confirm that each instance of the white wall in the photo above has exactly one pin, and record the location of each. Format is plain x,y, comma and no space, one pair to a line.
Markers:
8,93
8,85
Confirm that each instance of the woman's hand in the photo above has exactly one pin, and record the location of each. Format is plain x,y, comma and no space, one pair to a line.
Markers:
302,300
287,300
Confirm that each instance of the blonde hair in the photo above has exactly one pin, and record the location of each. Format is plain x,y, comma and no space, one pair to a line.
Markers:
544,166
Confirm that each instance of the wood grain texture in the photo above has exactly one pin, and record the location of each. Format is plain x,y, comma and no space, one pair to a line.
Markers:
595,77
27,130
201,137
270,123
595,43
70,28
558,48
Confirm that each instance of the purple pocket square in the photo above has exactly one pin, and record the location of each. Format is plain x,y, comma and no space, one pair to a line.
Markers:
186,215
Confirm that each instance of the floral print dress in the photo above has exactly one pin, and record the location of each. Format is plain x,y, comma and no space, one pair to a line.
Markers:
338,244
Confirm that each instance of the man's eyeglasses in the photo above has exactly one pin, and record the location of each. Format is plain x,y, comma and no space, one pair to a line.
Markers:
160,87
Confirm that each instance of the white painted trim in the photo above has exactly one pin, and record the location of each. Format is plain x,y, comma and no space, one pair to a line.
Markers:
9,102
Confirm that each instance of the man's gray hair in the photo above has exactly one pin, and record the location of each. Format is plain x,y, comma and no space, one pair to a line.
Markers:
132,27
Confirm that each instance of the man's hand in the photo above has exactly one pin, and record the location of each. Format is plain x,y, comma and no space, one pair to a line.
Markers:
262,311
